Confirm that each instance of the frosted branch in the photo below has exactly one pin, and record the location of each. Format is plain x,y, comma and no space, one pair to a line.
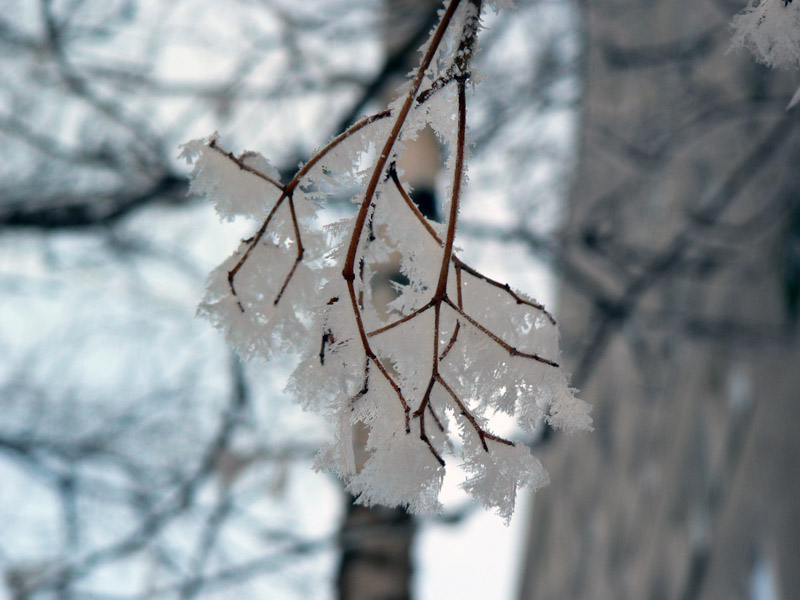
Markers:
410,376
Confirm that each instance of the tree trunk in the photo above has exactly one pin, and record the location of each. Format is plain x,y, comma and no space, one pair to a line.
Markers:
376,554
678,316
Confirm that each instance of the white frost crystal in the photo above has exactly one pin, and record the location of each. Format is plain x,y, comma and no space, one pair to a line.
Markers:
456,348
771,30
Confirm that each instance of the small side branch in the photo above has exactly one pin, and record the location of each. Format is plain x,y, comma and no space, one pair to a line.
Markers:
436,418
348,272
451,343
460,264
239,161
482,433
506,288
287,192
420,414
300,251
397,390
405,319
411,205
509,348
364,388
253,243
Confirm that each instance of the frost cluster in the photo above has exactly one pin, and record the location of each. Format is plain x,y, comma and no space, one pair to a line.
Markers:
456,349
771,30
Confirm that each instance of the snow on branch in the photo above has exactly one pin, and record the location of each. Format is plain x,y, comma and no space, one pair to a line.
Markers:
771,30
457,347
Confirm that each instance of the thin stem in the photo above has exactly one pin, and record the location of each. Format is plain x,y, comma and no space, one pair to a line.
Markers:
364,389
451,343
300,251
510,349
482,433
253,243
412,205
506,288
397,390
441,288
460,264
239,161
355,128
401,321
348,273
435,417
454,337
437,85
420,414
454,200
288,192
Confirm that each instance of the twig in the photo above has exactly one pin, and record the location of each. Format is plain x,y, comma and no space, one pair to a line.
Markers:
288,192
348,273
384,169
510,349
482,433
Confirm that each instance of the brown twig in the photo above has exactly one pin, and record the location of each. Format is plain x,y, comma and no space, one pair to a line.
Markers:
451,343
441,288
506,288
420,414
460,264
510,349
437,85
348,273
287,192
416,313
435,417
364,388
482,433
460,75
411,205
300,252
253,242
456,73
239,161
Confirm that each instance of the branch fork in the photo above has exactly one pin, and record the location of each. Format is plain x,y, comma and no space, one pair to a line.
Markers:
343,327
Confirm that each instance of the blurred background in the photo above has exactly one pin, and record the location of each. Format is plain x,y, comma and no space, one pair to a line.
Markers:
627,170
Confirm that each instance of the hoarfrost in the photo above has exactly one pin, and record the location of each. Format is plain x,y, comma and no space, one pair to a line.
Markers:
454,347
770,29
